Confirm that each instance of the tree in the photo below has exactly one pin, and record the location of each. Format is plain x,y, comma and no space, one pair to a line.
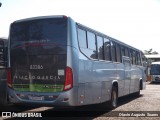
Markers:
150,52
0,4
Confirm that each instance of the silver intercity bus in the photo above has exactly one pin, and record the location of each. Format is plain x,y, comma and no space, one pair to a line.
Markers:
56,61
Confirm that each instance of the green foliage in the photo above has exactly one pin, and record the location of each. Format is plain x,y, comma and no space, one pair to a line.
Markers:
150,52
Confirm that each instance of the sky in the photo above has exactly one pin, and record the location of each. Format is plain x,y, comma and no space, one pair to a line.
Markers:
134,22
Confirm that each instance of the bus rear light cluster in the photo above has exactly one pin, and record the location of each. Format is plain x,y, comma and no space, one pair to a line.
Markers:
69,79
65,17
9,77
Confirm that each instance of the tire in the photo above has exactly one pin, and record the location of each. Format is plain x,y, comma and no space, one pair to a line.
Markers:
114,98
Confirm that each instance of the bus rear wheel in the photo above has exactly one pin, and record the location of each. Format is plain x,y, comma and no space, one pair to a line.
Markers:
114,98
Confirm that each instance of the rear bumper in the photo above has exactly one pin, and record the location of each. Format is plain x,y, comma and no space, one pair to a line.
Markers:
66,98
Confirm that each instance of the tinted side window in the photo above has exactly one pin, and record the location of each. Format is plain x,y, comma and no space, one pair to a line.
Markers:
87,43
126,52
113,48
138,60
131,56
82,38
91,40
100,47
118,53
134,57
107,49
122,50
144,60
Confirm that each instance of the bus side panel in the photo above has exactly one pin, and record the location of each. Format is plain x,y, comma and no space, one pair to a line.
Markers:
104,72
127,75
81,94
133,79
92,92
73,61
138,78
144,77
136,75
85,73
97,77
96,82
120,78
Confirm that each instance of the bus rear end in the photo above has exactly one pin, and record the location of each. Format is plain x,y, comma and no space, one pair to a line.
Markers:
155,72
38,71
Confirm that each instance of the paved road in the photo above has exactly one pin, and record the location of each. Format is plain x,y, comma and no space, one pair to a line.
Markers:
147,104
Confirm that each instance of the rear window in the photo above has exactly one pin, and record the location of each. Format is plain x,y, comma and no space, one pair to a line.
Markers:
155,69
42,31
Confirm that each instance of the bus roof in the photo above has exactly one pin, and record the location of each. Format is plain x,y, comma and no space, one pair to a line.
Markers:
61,16
40,17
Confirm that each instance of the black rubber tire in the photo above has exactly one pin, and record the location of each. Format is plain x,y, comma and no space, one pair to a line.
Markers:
114,98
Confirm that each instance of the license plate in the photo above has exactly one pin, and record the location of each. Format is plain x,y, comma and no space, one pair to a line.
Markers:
36,98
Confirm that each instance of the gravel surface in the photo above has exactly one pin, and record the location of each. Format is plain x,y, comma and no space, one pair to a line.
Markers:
144,107
147,105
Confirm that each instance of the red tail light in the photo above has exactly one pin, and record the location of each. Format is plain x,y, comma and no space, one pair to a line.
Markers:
65,17
9,78
69,79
